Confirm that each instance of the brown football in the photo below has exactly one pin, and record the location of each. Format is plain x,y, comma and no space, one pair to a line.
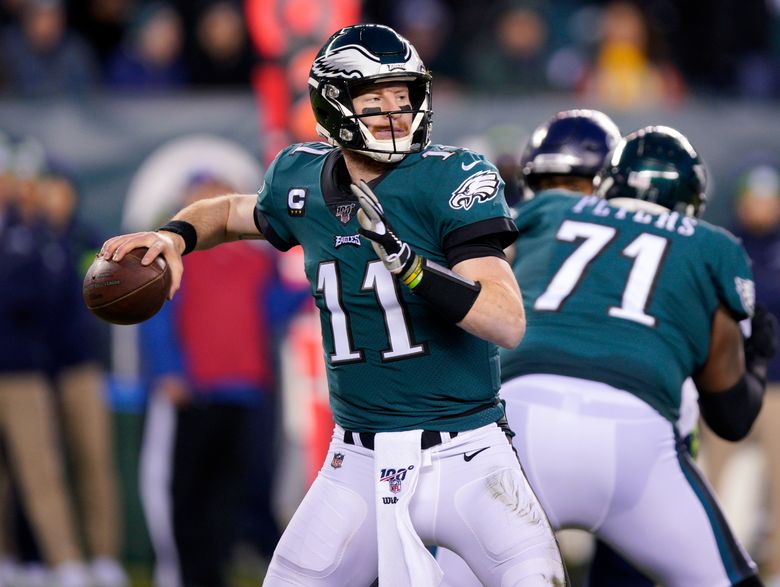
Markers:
126,292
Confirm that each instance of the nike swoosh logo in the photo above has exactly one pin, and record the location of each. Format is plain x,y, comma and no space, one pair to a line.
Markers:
468,457
465,167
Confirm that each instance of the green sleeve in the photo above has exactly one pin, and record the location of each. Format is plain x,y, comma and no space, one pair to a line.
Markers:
469,190
271,209
732,274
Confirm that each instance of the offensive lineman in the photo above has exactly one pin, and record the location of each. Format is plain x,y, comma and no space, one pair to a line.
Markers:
628,293
566,152
419,453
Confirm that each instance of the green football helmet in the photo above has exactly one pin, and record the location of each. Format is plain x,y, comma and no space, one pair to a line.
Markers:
656,164
361,55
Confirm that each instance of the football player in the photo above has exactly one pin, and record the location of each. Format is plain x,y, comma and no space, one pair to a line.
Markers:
627,294
403,244
565,153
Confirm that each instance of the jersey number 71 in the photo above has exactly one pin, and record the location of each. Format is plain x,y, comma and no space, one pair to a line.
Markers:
647,251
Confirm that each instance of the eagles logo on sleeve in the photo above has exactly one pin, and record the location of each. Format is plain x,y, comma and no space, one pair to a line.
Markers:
746,289
477,188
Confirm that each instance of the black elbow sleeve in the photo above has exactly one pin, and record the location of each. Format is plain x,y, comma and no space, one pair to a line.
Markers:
452,294
731,413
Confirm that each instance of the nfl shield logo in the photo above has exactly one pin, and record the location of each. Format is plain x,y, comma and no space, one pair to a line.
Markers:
344,212
395,485
338,458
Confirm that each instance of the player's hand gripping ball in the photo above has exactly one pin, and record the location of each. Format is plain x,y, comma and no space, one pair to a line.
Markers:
126,292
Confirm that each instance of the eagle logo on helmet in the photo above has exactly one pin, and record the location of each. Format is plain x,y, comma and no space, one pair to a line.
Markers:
348,62
353,61
477,188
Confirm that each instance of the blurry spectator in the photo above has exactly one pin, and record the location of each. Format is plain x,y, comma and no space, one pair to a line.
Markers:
510,55
39,56
221,55
629,69
758,215
27,162
8,559
738,40
34,273
9,10
80,382
102,23
151,56
428,26
58,200
209,355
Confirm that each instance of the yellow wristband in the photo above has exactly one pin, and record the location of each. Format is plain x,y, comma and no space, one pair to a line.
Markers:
416,281
413,277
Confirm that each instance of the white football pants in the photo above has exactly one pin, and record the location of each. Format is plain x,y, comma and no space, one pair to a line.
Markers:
481,508
603,460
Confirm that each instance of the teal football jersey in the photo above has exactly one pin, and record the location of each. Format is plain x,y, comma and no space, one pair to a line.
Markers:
392,363
622,297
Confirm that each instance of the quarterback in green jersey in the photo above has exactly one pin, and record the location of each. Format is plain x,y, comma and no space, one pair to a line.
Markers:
403,246
627,294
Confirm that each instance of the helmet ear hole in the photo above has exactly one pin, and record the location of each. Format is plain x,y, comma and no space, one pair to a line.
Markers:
331,92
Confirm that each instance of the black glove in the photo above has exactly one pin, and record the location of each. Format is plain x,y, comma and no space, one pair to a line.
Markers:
762,344
395,253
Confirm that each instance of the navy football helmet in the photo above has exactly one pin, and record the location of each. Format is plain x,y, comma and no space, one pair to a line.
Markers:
573,142
656,164
352,58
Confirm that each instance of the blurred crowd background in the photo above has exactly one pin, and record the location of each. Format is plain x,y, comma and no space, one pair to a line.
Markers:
114,113
657,50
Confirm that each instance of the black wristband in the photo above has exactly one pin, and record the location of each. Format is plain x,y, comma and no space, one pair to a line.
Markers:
452,294
185,230
731,413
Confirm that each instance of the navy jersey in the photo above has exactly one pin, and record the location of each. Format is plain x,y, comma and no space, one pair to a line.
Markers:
392,363
622,297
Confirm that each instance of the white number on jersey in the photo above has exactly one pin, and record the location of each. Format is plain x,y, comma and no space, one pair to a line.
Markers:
443,154
328,284
647,250
385,288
